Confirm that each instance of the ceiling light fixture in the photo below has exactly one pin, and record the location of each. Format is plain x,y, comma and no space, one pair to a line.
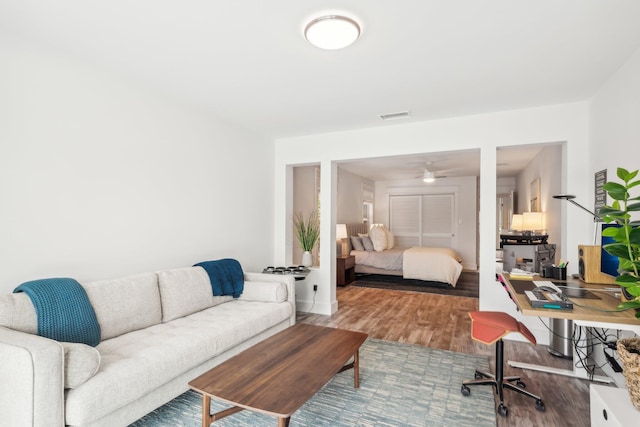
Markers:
428,176
332,32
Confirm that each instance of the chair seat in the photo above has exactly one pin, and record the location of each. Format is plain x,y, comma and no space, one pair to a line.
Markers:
490,326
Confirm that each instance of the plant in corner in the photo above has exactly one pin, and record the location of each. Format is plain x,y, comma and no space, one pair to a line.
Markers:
626,236
307,230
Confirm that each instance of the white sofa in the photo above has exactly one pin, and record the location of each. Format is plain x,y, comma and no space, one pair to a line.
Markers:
158,331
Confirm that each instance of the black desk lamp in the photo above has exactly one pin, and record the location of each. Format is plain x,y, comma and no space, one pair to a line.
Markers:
569,198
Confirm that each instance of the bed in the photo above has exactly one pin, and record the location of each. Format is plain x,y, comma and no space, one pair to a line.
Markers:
423,263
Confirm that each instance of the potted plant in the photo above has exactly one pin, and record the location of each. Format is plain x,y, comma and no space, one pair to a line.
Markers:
307,230
626,247
626,237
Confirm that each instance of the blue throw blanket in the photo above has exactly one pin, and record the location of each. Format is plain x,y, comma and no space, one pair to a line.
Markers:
226,276
63,309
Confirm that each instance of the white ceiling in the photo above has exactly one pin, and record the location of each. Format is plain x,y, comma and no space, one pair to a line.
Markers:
248,63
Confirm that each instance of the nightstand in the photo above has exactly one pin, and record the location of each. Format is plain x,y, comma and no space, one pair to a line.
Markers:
345,270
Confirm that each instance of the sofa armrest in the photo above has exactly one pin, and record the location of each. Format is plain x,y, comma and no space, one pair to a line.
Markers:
287,280
32,386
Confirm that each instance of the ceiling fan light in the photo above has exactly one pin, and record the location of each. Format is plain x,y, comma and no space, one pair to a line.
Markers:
428,176
332,32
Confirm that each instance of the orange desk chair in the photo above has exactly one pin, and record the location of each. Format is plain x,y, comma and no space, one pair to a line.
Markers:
489,327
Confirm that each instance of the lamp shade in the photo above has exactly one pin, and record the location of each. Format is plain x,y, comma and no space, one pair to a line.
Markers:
516,222
532,221
341,231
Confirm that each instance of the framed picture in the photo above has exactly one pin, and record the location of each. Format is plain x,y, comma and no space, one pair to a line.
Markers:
535,195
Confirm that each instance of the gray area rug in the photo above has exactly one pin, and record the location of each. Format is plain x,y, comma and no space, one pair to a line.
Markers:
467,285
400,385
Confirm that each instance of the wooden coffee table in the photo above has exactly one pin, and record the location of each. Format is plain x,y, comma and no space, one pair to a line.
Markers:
278,375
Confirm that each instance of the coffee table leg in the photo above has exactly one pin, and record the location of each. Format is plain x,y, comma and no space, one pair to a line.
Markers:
283,422
356,369
206,410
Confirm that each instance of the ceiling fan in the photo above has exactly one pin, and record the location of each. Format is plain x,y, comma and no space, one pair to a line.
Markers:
428,175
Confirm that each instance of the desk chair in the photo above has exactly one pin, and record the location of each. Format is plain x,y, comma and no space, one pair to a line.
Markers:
489,327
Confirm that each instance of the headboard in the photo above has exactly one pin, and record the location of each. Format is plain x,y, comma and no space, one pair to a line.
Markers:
353,230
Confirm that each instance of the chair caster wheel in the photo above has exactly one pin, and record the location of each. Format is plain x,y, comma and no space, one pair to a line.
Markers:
521,384
503,410
540,405
465,390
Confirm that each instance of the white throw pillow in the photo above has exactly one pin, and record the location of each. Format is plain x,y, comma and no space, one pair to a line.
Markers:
378,238
81,362
391,241
264,291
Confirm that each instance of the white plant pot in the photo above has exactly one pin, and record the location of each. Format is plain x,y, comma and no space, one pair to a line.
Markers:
307,259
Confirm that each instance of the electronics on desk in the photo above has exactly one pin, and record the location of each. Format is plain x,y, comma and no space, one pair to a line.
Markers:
547,295
589,269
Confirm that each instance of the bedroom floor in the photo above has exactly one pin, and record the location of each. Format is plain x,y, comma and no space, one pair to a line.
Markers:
441,321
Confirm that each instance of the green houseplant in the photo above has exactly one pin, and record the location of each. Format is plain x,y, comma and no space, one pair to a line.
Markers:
626,245
307,230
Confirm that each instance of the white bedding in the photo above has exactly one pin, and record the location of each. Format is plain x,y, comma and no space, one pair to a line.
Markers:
432,264
438,264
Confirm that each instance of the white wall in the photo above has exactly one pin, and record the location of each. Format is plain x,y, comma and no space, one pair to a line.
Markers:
101,178
349,197
487,132
615,136
547,166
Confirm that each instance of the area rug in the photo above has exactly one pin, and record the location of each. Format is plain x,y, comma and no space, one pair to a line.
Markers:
467,285
400,385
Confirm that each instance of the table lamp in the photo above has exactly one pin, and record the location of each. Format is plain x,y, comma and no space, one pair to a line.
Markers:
341,235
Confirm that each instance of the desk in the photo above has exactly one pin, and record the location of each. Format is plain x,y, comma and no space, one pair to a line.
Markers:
595,317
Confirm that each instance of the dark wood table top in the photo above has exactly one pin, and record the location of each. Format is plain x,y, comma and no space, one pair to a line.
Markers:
279,374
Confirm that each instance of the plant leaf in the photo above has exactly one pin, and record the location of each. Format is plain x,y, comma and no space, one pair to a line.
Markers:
622,173
628,305
615,191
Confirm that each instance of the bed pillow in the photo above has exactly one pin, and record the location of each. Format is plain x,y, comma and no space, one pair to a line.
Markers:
379,238
391,240
356,243
367,243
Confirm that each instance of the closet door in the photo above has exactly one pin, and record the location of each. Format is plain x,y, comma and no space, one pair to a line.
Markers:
438,220
423,220
404,220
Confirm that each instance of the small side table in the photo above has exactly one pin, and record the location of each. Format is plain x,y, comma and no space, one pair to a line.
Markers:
345,270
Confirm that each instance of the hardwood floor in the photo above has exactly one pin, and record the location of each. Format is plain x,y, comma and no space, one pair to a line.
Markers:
442,322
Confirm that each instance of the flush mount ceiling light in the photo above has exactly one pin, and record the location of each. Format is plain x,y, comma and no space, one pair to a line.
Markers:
332,32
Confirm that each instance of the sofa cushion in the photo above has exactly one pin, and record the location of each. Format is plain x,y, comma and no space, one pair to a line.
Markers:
125,304
81,362
264,291
184,291
136,363
17,313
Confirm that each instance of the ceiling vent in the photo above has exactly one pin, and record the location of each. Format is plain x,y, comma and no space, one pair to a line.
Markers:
395,116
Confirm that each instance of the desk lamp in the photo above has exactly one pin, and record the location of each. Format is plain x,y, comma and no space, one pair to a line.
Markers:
569,198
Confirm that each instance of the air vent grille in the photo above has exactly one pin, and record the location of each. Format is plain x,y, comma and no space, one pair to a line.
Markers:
395,116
